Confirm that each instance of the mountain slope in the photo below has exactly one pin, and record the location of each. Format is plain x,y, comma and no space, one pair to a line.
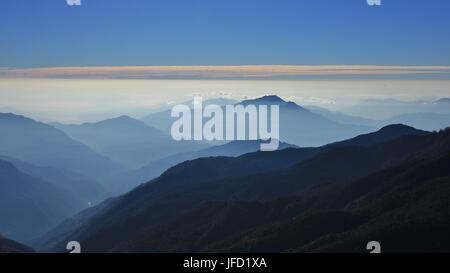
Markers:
387,133
344,118
397,205
85,189
127,141
404,208
30,206
237,148
251,177
128,180
43,145
301,127
10,246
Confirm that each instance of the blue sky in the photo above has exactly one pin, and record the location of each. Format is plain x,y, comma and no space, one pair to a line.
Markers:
47,33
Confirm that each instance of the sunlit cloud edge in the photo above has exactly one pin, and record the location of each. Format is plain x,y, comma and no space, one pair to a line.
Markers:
223,72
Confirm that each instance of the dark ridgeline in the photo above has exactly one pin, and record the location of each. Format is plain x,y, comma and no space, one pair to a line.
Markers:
128,180
391,186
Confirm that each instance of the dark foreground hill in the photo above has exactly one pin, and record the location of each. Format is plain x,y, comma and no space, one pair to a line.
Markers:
126,181
335,198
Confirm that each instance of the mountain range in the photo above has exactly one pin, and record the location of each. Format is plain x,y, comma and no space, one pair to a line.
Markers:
126,181
43,145
87,190
339,184
163,121
296,199
298,125
127,141
430,121
382,109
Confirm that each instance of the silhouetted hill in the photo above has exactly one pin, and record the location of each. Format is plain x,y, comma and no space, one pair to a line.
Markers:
386,133
128,180
135,221
44,145
237,148
30,206
404,208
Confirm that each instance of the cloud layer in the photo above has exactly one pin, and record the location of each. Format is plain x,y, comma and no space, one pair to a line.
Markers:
222,72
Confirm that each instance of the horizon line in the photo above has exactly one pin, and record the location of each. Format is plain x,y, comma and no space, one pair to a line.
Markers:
222,71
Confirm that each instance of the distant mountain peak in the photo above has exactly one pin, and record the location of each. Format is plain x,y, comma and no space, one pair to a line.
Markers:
269,99
123,118
120,120
273,99
13,116
385,134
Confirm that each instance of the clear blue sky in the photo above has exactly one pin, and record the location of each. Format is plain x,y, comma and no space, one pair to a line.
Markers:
223,32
